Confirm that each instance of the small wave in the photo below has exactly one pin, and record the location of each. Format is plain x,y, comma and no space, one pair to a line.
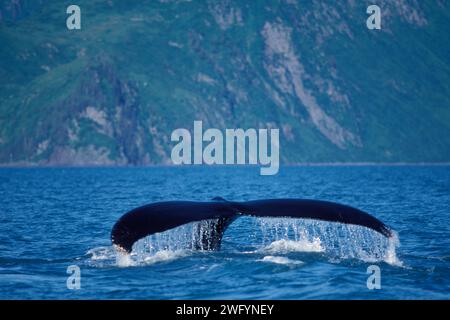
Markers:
285,246
280,260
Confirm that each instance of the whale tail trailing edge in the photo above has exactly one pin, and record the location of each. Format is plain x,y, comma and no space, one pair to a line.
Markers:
219,214
161,216
312,209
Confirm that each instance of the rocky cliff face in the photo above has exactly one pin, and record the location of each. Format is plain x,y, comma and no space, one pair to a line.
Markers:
113,92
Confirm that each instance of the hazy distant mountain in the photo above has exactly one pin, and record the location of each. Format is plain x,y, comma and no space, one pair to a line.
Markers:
113,92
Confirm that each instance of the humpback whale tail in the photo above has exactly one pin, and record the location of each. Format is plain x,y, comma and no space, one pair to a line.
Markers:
220,213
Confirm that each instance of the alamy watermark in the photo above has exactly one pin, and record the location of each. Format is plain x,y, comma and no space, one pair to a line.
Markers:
74,280
374,280
73,22
234,146
374,20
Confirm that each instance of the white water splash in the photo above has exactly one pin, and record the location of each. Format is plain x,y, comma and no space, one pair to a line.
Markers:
184,237
274,236
100,253
281,260
285,246
160,247
110,256
338,241
391,255
123,260
165,256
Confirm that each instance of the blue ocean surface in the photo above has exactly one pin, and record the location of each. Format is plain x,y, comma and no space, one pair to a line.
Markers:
53,218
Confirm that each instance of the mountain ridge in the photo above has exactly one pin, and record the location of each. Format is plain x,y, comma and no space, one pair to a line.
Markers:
112,93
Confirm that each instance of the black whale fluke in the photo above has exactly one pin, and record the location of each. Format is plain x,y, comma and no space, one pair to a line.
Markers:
161,216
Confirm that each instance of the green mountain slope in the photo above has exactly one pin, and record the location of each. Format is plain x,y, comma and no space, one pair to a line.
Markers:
113,92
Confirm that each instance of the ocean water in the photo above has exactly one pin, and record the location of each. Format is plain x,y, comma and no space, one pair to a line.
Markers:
53,218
